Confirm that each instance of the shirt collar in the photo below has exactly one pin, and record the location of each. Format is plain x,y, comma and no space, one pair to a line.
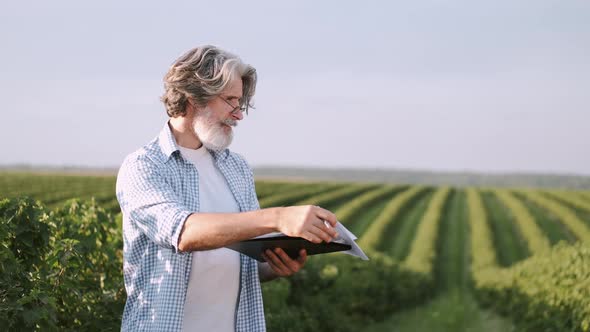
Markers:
168,145
167,142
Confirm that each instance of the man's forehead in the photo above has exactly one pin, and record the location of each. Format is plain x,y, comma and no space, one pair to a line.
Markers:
234,88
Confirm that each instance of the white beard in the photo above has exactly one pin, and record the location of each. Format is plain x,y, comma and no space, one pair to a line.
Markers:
212,133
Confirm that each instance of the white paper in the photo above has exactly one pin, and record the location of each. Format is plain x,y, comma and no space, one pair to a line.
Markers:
345,236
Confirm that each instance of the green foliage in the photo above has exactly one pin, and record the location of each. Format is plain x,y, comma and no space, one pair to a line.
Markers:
292,195
335,197
24,243
355,206
370,240
267,188
548,292
574,198
566,215
537,241
340,293
483,255
423,250
507,237
61,271
54,189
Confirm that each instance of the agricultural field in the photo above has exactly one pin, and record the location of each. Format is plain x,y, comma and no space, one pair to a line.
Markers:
442,258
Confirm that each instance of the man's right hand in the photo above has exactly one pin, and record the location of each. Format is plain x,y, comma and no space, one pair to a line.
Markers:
307,221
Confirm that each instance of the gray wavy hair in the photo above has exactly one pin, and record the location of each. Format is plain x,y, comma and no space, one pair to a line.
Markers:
203,73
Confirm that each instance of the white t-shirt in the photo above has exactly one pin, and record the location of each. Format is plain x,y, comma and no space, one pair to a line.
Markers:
213,284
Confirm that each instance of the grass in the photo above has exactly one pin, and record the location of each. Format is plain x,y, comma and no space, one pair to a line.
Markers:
451,270
452,311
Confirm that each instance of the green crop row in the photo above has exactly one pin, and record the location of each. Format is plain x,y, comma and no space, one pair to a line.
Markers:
327,199
483,254
16,184
423,250
571,197
267,188
290,196
54,189
536,241
584,195
567,216
352,208
547,292
370,239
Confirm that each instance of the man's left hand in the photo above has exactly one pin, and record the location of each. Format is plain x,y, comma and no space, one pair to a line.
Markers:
281,264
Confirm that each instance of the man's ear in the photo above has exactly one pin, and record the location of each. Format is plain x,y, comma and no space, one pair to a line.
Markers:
191,107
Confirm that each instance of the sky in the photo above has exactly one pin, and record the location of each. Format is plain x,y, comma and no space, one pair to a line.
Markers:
485,86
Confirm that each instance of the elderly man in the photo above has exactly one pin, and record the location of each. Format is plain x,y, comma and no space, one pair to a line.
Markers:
184,196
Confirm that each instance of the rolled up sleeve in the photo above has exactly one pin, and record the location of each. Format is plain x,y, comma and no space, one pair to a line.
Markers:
150,203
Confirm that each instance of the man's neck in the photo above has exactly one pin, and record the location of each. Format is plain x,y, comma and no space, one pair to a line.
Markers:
183,133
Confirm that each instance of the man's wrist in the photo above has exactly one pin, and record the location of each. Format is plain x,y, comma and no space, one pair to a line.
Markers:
266,273
276,217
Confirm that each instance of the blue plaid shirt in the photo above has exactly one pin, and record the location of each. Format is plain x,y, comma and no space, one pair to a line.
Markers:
157,190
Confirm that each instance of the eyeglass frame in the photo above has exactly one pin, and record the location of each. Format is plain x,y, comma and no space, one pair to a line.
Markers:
243,108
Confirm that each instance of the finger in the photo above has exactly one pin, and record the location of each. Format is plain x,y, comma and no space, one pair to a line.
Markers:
276,263
327,216
290,263
309,236
276,270
327,228
302,257
267,259
322,232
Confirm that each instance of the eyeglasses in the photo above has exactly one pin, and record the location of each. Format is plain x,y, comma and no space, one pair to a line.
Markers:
235,109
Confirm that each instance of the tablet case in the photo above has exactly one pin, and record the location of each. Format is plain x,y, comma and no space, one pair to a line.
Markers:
291,245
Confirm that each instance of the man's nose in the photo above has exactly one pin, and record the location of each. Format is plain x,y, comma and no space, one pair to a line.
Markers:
238,115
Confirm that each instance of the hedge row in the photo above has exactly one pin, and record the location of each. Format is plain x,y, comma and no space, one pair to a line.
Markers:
334,196
567,216
483,254
574,198
423,250
267,188
337,292
292,195
536,240
373,234
352,208
548,292
61,271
